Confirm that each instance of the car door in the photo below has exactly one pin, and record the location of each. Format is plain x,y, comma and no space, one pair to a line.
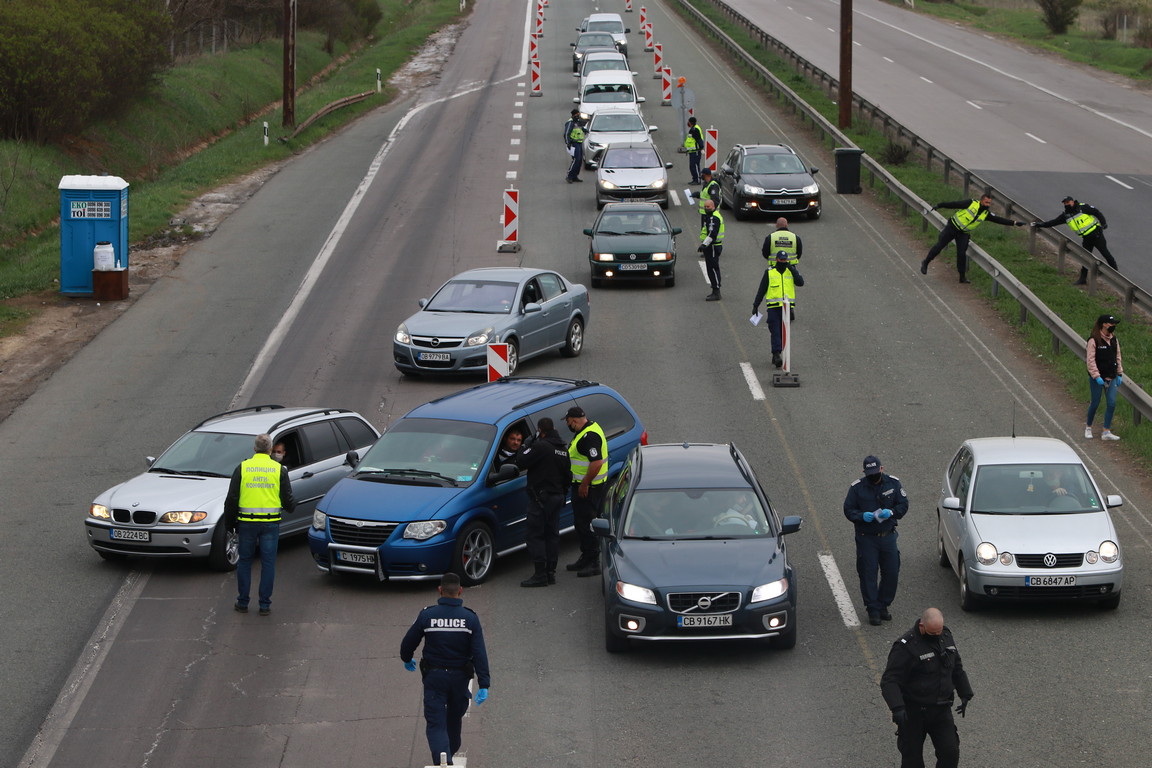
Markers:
323,464
728,175
958,484
533,326
557,305
508,499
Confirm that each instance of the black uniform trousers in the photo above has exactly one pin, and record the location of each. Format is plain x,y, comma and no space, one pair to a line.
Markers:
543,527
1095,239
446,698
583,510
577,162
947,235
712,264
936,723
877,555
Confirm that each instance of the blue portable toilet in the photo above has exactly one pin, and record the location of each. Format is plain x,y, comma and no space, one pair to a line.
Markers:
93,209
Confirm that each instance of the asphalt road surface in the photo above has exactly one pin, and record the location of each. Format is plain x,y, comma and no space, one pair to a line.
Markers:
147,665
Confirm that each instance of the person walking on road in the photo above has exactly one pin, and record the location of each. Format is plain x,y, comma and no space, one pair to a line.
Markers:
969,215
777,285
923,674
711,246
258,494
574,141
549,475
1105,373
710,190
694,146
1087,222
588,452
874,504
453,651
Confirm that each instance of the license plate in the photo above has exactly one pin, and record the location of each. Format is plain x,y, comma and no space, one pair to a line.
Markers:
123,535
784,201
1050,581
633,267
442,357
365,558
719,620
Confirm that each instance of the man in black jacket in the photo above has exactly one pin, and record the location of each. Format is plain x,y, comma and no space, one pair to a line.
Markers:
924,670
1088,222
969,215
875,504
549,474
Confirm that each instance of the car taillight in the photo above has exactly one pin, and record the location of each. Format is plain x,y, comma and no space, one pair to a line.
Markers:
644,437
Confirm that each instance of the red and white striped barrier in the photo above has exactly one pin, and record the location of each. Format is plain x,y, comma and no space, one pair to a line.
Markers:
533,47
666,98
497,361
535,79
648,36
711,145
658,59
628,6
511,220
643,18
540,18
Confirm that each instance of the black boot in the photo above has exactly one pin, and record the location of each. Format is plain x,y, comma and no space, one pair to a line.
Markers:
550,568
537,579
964,277
580,564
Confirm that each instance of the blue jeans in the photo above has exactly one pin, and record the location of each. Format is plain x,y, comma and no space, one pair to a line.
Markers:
266,538
446,698
1110,386
877,554
694,165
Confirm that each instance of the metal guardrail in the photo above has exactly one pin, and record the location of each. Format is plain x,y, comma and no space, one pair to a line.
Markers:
1063,335
328,109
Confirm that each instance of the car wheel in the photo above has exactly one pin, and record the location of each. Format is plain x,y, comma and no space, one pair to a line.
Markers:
575,339
738,209
941,555
475,551
787,641
969,601
814,214
613,643
1110,603
664,203
724,199
513,356
670,281
599,203
225,551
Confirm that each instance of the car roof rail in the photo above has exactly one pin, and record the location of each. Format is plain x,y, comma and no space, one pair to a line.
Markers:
306,414
250,408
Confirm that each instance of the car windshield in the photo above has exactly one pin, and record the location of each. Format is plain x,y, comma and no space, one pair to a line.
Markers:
606,26
594,40
718,513
630,123
607,64
771,164
428,450
639,157
212,454
609,93
1031,489
632,224
483,296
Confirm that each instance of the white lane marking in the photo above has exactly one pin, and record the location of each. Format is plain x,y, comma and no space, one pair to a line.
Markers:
887,59
517,115
839,591
510,174
926,80
517,103
515,142
753,382
517,127
856,43
809,18
974,104
513,158
1113,178
675,198
1035,138
830,29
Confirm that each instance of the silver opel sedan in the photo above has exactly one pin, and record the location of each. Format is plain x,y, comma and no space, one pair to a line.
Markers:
1020,518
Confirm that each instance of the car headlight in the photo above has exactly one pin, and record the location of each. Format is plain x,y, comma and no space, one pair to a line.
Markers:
183,518
425,529
479,338
1005,558
985,553
402,334
585,116
769,591
1109,551
634,593
319,520
811,189
592,145
604,184
658,184
751,190
100,512
660,257
605,256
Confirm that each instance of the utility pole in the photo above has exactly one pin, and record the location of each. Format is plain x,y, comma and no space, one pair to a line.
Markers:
289,63
845,96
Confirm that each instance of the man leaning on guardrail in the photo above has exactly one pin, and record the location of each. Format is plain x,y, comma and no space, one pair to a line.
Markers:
1088,222
970,214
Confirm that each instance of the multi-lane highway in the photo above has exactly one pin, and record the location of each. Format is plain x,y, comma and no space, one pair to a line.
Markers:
149,666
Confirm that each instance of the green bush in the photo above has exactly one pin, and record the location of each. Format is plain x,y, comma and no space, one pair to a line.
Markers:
1059,14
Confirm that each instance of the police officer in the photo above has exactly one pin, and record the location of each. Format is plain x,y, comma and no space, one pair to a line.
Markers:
711,246
709,191
874,504
588,452
453,651
1088,222
970,214
574,140
694,145
783,239
257,495
778,283
549,475
923,671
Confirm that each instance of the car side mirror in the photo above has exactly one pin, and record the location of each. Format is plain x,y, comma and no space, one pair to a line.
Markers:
953,503
593,165
791,524
150,460
573,45
667,165
627,30
725,169
1113,500
640,99
653,128
576,75
575,99
503,474
422,303
602,528
813,171
352,458
676,231
531,307
588,232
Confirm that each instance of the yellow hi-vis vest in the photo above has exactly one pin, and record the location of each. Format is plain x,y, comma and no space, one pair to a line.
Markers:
580,462
719,232
967,219
783,240
259,490
1083,224
690,142
576,133
710,191
780,286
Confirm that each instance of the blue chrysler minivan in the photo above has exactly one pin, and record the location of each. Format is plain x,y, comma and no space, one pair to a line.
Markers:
425,499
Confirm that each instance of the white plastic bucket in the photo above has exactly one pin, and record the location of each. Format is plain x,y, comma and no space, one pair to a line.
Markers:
104,257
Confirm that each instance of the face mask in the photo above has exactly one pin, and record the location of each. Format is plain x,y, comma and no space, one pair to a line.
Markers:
781,268
278,456
876,479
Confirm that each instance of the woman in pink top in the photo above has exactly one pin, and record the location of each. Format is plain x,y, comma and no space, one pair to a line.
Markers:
1105,372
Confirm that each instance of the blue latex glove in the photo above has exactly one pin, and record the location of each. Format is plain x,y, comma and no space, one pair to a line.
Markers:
884,514
410,665
481,696
1100,380
1119,380
869,516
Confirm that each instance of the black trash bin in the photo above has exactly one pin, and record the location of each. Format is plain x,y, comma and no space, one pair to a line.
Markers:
848,170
